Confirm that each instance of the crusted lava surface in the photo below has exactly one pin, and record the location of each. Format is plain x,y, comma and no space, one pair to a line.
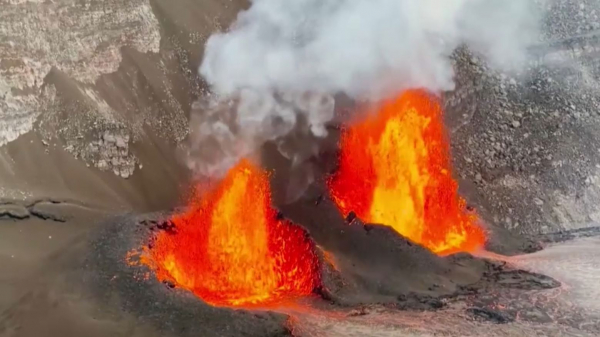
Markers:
362,266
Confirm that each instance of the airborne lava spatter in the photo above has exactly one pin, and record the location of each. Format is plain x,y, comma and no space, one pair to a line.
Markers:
394,169
230,248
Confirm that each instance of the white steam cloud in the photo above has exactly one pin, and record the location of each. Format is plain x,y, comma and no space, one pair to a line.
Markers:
282,61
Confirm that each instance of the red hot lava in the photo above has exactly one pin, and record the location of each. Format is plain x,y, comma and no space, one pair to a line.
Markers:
230,248
394,169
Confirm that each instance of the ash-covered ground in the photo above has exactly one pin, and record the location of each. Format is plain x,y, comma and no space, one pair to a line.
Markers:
94,105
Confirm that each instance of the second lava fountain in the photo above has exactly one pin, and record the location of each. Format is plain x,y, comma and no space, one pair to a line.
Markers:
394,169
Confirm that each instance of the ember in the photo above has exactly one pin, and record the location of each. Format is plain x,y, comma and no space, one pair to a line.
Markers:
395,170
230,249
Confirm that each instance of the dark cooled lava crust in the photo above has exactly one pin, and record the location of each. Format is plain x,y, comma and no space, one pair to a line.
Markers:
171,310
373,265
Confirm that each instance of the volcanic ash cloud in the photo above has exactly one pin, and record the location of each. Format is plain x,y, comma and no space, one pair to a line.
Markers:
282,62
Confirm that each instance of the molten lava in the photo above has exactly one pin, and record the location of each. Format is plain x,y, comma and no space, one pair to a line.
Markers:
231,249
394,169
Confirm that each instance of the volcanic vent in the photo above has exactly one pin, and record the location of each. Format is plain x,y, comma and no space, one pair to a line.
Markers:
231,248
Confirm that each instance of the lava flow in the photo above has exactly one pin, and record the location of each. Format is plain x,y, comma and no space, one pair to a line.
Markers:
394,169
231,249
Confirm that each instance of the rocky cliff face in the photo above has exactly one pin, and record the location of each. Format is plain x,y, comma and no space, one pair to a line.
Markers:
93,93
528,145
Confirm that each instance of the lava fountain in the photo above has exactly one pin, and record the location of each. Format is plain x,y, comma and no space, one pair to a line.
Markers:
394,169
231,249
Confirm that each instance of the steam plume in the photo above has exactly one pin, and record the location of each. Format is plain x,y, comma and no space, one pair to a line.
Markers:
282,61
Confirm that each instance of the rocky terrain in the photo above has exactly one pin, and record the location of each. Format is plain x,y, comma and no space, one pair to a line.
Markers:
98,89
527,143
95,100
111,91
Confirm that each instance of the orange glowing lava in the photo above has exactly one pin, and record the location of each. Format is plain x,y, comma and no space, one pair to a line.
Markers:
394,169
230,248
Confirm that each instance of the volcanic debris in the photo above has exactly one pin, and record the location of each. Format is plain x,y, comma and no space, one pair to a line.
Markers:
42,209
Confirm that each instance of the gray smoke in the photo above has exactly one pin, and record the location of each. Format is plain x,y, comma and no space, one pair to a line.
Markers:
282,60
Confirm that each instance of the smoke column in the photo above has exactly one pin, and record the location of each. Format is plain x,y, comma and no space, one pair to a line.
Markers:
281,62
